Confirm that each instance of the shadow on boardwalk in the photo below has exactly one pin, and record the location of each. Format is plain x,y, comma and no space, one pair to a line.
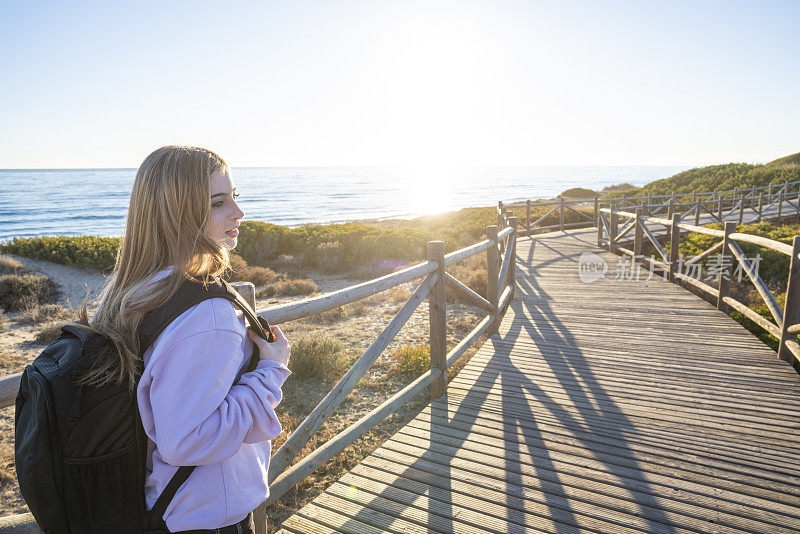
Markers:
535,321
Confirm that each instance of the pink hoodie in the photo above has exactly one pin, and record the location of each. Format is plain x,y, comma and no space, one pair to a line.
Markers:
197,410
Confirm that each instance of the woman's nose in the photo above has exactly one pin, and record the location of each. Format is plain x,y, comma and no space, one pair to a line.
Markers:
238,214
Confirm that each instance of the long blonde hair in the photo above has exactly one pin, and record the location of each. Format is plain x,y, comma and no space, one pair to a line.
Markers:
169,207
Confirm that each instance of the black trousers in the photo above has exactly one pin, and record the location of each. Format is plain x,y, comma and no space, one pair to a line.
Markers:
245,526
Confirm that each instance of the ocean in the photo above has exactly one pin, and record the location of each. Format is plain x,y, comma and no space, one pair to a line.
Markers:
95,201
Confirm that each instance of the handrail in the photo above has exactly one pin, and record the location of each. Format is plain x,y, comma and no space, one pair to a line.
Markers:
786,323
718,193
500,290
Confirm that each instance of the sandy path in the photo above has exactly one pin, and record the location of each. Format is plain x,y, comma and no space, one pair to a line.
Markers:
73,282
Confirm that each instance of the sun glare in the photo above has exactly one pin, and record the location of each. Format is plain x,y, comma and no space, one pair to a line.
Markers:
429,188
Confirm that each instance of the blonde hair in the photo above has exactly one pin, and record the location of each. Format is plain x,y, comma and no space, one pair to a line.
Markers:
169,207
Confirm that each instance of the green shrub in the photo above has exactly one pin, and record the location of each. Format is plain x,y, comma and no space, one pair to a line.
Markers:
80,251
413,359
317,356
724,177
332,247
579,192
21,291
619,188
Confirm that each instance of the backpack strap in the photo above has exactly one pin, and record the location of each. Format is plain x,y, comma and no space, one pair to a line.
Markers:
154,322
190,294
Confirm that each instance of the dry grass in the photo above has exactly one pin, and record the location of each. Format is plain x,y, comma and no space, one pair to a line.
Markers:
242,272
40,313
49,332
9,265
375,269
3,322
328,257
317,357
20,291
287,263
287,287
472,273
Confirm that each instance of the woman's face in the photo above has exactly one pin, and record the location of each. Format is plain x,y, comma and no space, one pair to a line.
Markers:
223,222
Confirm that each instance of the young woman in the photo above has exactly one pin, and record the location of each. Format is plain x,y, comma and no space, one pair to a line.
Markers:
198,406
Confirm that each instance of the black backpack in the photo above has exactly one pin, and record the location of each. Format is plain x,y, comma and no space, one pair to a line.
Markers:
80,451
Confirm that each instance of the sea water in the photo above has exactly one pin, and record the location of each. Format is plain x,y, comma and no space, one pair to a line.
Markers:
95,201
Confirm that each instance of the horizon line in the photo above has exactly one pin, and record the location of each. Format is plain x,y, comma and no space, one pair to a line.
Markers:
390,166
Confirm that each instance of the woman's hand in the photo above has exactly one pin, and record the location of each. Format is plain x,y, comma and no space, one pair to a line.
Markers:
277,351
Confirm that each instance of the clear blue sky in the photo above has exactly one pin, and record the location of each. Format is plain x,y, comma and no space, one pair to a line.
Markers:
101,84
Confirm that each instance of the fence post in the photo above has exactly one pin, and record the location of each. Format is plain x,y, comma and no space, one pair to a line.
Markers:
745,198
561,214
674,245
613,226
599,229
638,234
760,205
492,274
797,204
697,210
671,206
437,311
780,202
528,217
512,262
719,209
725,268
500,214
791,310
596,209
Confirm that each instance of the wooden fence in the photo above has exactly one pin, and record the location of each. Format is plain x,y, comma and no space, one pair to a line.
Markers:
614,226
718,204
500,291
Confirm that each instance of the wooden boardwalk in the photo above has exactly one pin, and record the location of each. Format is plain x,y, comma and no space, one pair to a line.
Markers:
613,406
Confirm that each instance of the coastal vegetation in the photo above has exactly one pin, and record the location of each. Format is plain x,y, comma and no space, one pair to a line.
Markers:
724,177
413,359
80,251
363,250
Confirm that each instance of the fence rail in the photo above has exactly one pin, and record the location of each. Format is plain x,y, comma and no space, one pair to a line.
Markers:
282,474
784,324
718,204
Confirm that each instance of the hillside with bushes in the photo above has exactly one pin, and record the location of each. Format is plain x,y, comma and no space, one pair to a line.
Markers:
723,177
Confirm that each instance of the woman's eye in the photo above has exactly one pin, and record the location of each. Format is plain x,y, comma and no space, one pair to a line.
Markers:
217,204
